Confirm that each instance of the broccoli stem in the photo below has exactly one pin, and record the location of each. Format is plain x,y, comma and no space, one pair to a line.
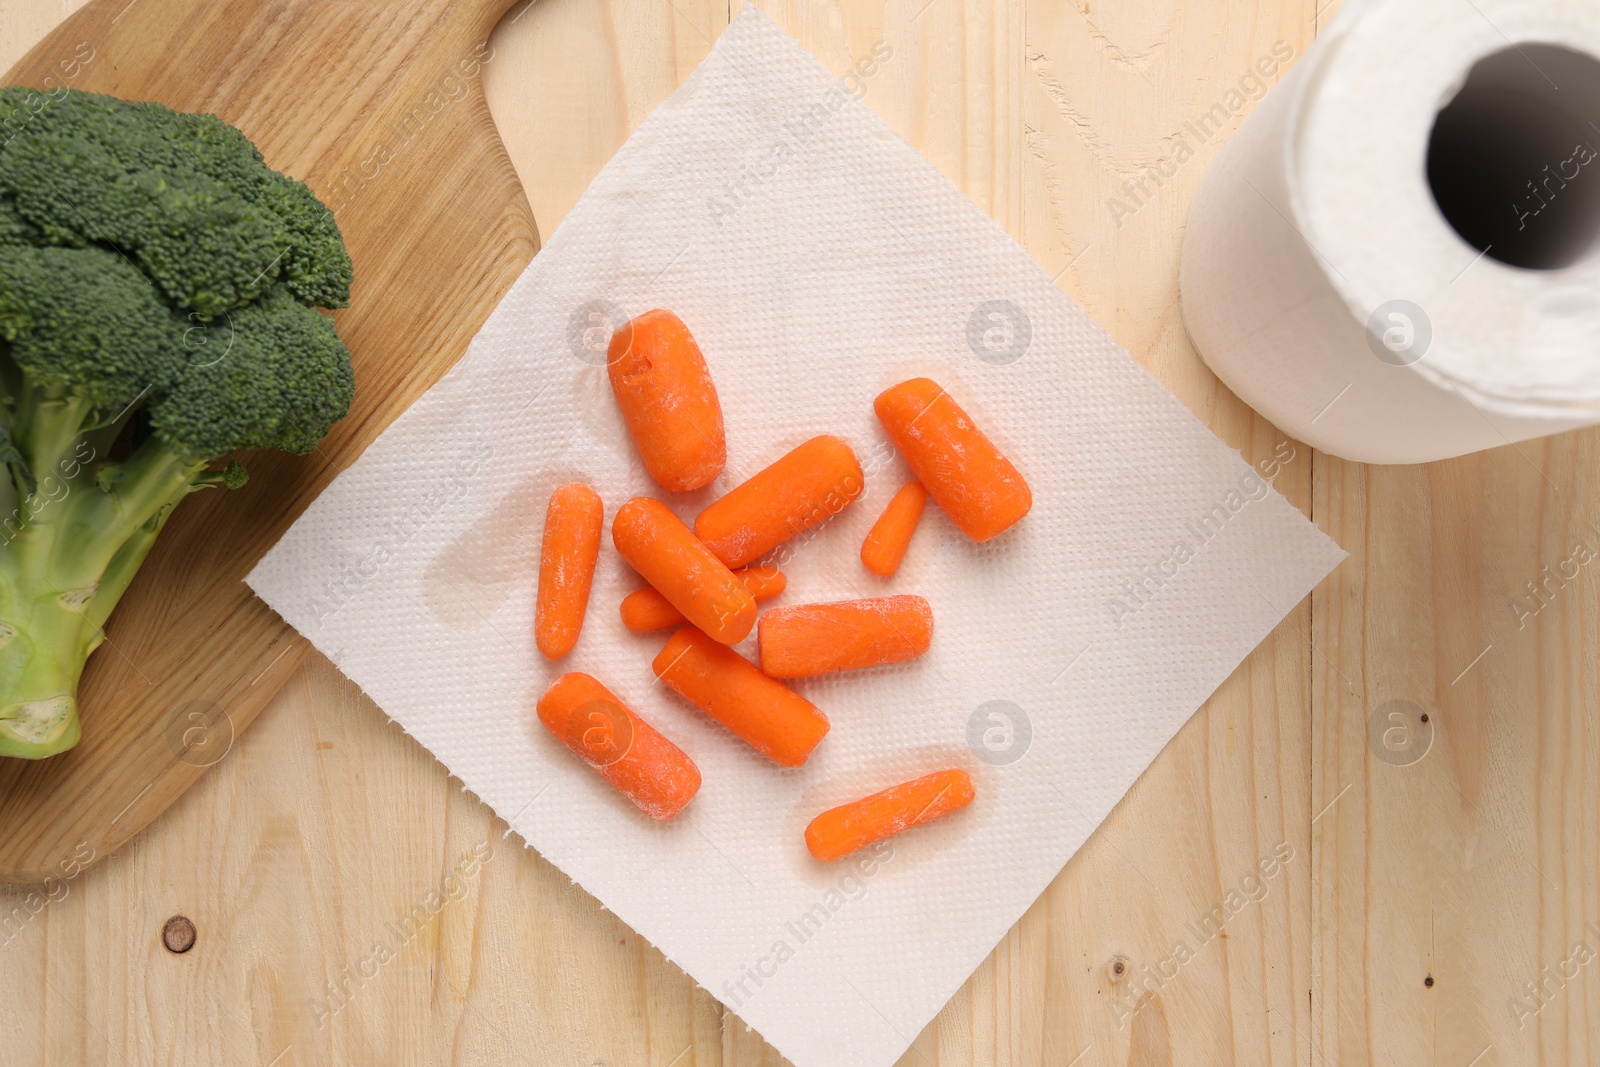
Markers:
126,562
40,663
67,567
47,429
10,499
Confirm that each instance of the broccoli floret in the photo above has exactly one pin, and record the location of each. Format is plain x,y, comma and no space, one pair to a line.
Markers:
160,289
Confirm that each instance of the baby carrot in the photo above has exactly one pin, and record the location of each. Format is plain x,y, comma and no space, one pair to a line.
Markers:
627,751
645,609
963,471
811,484
890,536
766,714
668,555
668,400
809,639
840,831
572,525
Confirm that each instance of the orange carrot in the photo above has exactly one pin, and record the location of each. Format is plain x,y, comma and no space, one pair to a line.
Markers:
572,525
766,714
627,751
840,831
669,556
890,536
645,609
810,484
963,471
810,639
668,400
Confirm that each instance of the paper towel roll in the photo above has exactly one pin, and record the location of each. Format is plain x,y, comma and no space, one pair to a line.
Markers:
1334,272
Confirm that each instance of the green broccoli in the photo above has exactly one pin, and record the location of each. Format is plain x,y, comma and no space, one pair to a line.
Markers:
159,295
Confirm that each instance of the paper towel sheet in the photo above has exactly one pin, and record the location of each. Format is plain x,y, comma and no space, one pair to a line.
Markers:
818,259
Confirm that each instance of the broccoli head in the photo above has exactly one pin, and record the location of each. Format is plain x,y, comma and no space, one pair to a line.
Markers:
161,291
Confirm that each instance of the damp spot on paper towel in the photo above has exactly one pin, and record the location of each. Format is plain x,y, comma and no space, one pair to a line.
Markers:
589,330
496,555
913,847
945,373
590,397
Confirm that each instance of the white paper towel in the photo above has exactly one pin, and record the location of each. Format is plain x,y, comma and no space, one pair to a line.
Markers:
818,259
1315,236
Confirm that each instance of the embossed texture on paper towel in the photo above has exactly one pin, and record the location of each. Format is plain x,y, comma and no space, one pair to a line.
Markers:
849,264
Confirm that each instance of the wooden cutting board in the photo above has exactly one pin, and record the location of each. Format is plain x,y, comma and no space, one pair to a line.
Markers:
379,107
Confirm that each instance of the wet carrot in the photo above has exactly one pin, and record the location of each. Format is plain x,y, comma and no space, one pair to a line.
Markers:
962,470
810,639
890,536
668,555
668,400
764,713
840,831
645,609
626,751
573,522
811,484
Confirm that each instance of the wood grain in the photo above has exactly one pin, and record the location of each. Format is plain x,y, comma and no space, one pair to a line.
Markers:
379,107
1476,865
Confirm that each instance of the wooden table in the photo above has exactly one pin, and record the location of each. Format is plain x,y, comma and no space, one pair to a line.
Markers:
1420,895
